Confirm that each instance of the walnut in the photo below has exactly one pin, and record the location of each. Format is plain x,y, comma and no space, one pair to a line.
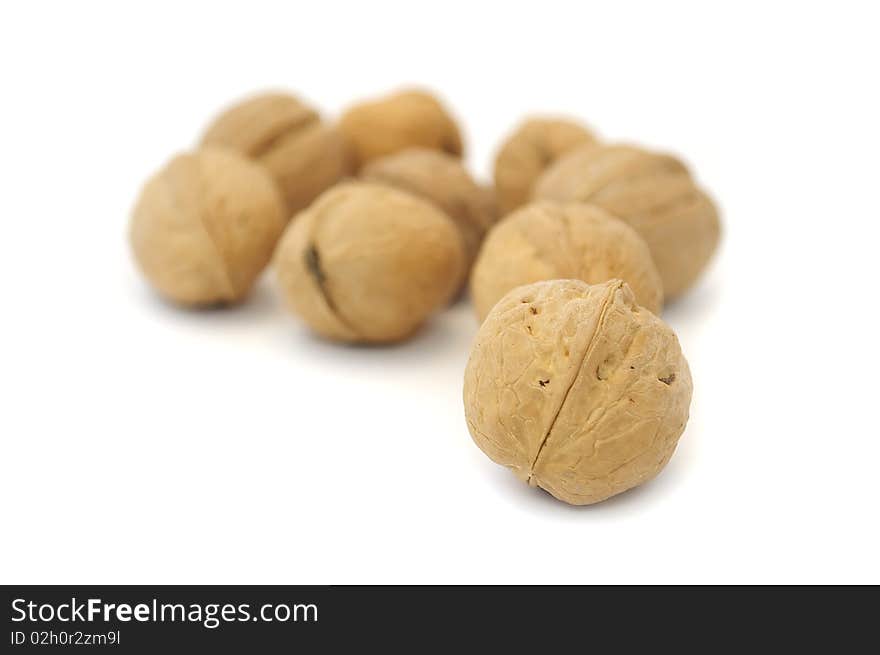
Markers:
526,153
546,241
205,225
441,179
489,201
399,121
652,192
577,389
368,263
304,155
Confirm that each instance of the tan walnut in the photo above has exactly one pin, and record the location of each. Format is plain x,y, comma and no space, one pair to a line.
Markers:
368,263
547,241
576,389
303,155
525,154
652,192
204,227
489,200
406,119
441,179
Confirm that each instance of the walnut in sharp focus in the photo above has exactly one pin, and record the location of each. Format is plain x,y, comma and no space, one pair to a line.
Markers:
652,192
533,146
546,241
441,179
303,155
204,227
368,263
406,119
577,389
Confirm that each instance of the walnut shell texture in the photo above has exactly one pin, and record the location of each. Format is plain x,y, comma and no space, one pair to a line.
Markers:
547,241
526,153
577,389
302,154
204,227
406,119
443,180
368,263
652,192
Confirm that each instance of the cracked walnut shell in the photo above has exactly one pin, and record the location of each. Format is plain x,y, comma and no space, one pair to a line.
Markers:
204,227
652,192
368,263
576,389
303,155
407,119
443,180
533,146
547,241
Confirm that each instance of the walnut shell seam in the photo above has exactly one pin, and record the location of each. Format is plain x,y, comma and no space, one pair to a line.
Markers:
606,303
312,261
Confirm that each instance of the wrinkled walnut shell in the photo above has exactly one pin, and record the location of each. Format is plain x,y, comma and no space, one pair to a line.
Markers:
205,225
576,389
303,155
408,119
652,192
525,154
368,263
442,180
547,241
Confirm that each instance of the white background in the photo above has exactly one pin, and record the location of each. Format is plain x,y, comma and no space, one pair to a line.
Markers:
144,444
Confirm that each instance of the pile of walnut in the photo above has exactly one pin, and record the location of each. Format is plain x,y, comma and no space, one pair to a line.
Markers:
373,224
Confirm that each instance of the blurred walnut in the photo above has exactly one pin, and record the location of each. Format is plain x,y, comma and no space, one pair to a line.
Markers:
654,193
304,155
576,389
368,263
526,153
406,119
546,241
489,201
442,180
205,226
